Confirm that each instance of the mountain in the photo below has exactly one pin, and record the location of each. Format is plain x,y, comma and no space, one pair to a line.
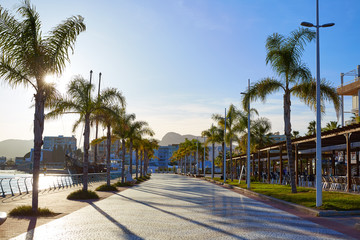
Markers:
175,138
12,148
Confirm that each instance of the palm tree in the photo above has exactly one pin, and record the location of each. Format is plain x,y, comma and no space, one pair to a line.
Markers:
80,101
311,128
149,146
26,57
121,130
331,126
213,138
295,134
232,117
284,56
137,129
108,116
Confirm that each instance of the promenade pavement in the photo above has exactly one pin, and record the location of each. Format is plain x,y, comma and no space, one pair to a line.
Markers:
177,207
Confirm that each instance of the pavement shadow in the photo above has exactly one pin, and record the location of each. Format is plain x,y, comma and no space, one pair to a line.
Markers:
184,218
129,233
31,228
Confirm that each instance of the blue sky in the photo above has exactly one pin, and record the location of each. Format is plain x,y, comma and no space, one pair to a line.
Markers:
178,62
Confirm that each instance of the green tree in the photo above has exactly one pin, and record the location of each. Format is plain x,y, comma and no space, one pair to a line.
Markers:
232,116
108,117
79,101
212,137
311,128
27,57
295,134
121,130
137,129
284,56
331,126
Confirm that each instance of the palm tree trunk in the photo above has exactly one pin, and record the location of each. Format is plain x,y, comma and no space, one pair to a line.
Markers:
131,153
287,104
141,162
213,161
86,152
108,155
231,162
123,161
38,131
145,162
137,162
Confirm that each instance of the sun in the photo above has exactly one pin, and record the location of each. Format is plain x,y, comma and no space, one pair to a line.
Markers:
50,79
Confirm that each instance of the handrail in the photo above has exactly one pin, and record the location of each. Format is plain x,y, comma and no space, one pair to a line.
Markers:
49,181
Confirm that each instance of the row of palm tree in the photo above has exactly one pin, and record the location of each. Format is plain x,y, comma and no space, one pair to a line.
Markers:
27,57
188,155
236,132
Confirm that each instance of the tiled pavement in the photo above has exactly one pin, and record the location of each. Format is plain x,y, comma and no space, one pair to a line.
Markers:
177,207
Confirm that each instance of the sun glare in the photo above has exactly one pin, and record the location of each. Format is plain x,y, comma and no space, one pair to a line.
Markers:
50,79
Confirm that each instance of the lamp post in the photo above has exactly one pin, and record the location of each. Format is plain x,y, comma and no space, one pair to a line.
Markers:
248,142
318,104
204,159
197,156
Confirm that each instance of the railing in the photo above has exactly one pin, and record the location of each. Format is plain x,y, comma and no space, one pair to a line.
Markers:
21,185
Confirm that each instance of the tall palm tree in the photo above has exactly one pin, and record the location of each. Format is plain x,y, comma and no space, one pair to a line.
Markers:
79,101
26,57
232,117
137,129
213,138
121,130
260,134
108,116
284,56
149,146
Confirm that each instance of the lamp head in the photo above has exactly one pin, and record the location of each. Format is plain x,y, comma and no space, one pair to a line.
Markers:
328,25
306,24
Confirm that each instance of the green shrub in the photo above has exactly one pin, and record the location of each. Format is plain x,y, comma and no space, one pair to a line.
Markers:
106,188
26,210
82,195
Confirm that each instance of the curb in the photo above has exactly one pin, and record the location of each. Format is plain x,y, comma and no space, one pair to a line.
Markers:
311,211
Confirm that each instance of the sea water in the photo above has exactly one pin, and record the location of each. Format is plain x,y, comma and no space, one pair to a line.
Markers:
12,181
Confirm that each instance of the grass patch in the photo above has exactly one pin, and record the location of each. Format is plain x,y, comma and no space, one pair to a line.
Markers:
82,195
305,196
106,188
125,184
26,210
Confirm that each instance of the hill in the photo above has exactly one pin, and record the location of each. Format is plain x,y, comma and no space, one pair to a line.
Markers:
12,148
175,138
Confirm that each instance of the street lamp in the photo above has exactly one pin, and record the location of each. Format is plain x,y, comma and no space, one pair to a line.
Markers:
318,112
204,158
197,156
248,142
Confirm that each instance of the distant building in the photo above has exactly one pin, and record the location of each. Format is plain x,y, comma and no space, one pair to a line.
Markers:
2,160
51,143
19,160
164,153
115,152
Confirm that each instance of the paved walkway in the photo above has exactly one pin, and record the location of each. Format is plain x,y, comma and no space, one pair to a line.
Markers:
177,207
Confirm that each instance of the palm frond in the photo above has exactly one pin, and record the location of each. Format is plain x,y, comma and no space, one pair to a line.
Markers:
61,39
261,90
